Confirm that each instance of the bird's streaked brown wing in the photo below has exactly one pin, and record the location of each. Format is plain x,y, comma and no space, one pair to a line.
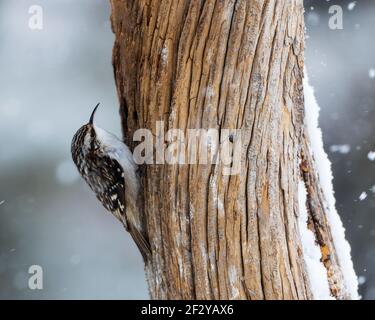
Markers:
111,194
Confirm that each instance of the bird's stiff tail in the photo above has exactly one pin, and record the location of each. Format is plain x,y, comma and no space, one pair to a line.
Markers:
141,242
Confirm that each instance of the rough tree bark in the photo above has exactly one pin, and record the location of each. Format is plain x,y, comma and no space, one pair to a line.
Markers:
223,64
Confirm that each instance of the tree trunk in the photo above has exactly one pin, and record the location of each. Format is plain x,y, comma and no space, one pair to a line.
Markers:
235,64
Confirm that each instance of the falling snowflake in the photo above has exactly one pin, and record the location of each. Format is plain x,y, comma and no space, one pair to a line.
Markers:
343,148
361,280
352,5
371,155
363,196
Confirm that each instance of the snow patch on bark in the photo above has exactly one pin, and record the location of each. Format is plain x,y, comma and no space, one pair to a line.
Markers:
164,55
312,255
323,167
235,293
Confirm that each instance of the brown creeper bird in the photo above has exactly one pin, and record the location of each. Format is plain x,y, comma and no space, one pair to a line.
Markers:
107,165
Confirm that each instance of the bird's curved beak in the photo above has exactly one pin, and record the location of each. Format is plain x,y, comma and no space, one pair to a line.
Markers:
93,114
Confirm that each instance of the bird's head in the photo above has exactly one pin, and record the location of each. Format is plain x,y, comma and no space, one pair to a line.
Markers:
85,140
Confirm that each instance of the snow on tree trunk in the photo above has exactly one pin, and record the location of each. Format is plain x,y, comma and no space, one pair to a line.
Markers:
239,64
322,170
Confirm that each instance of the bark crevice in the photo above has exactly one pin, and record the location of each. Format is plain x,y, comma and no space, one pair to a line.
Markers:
230,64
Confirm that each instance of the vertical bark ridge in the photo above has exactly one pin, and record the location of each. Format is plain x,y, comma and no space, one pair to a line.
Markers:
222,64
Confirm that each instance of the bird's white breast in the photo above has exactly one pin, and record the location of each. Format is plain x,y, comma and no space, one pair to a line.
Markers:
120,152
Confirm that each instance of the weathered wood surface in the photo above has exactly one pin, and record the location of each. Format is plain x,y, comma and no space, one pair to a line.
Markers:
223,64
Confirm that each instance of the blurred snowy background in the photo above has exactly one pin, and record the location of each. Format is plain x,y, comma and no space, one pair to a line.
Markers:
51,78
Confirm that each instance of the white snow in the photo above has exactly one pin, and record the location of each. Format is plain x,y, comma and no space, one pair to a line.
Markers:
210,92
362,196
340,148
323,167
164,55
352,5
372,189
232,280
311,252
361,280
220,206
371,155
371,73
2,202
